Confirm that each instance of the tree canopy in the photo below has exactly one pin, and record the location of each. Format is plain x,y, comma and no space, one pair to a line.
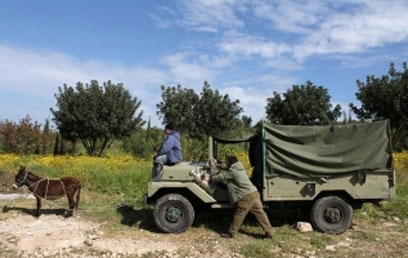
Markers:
386,97
302,105
96,115
209,113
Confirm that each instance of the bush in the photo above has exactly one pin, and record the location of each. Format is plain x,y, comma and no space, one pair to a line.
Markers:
144,143
26,137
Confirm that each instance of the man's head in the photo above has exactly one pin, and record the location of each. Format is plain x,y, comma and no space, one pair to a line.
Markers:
168,128
230,160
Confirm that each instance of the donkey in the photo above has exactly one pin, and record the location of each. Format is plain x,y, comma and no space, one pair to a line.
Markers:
49,189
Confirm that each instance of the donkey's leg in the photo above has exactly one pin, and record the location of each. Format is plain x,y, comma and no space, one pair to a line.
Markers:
38,213
71,203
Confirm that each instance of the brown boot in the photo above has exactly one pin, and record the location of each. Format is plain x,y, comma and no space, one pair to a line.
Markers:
268,235
227,235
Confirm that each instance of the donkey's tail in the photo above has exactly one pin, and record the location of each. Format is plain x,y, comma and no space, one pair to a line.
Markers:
77,197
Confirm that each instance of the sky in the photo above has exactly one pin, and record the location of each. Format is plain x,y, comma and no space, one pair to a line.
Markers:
246,49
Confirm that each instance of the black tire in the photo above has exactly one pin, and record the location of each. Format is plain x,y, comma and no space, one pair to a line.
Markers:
173,213
331,214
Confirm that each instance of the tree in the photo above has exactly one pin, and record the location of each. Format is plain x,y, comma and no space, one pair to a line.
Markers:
246,121
302,105
215,113
24,137
386,97
96,115
178,107
209,113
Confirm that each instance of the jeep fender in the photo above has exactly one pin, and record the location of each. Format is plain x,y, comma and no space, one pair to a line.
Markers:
196,190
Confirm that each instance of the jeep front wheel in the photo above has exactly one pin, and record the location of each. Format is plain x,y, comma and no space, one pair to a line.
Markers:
173,213
331,214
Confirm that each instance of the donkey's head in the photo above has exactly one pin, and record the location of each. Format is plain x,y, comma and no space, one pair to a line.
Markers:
21,177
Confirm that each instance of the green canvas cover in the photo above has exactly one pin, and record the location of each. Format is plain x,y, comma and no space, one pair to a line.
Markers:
326,151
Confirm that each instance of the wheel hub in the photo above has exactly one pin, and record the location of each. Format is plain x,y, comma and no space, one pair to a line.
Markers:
173,214
332,215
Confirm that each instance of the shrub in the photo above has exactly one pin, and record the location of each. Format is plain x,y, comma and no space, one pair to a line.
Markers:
25,137
143,143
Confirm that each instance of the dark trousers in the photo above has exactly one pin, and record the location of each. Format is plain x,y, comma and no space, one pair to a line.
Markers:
250,203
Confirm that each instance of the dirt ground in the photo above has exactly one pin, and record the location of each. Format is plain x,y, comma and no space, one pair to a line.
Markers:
53,235
126,232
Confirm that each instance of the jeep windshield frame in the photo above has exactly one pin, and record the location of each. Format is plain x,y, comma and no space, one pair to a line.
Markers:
256,153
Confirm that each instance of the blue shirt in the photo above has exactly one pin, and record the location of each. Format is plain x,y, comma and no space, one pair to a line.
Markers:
172,148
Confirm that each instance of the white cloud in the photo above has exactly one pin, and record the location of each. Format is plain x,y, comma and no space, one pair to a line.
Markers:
337,27
250,45
35,76
203,15
296,30
251,99
297,17
185,72
160,22
375,24
253,92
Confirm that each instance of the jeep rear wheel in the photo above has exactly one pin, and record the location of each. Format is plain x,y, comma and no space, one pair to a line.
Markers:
331,214
173,213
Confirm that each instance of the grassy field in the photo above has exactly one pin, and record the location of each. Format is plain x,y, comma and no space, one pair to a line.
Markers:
114,185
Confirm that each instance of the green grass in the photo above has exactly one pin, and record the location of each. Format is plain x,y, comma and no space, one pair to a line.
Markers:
399,205
257,249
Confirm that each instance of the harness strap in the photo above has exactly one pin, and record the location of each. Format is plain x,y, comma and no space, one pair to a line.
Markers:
36,187
46,189
63,186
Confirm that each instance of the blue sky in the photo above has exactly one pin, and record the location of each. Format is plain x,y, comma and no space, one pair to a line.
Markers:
247,49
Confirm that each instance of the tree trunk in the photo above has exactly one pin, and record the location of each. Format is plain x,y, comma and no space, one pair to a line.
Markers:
104,144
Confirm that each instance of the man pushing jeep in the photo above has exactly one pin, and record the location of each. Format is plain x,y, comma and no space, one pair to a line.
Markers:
244,195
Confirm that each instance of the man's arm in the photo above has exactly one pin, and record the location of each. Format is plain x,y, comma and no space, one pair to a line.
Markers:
167,145
222,177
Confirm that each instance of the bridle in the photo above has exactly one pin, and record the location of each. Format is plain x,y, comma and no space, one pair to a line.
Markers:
22,181
37,183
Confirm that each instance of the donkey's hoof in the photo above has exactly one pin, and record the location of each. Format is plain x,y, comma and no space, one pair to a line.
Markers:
68,214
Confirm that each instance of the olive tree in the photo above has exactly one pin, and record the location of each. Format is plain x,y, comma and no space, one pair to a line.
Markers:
209,113
96,115
302,105
386,97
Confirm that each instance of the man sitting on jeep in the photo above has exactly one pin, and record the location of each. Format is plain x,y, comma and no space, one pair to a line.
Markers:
168,154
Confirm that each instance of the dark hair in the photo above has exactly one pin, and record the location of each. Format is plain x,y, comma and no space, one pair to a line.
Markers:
169,127
231,160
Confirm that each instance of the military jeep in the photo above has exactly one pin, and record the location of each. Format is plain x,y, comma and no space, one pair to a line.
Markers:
327,171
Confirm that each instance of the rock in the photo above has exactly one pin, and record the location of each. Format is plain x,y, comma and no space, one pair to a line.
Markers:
343,244
304,227
396,219
311,253
389,224
93,237
330,248
88,242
